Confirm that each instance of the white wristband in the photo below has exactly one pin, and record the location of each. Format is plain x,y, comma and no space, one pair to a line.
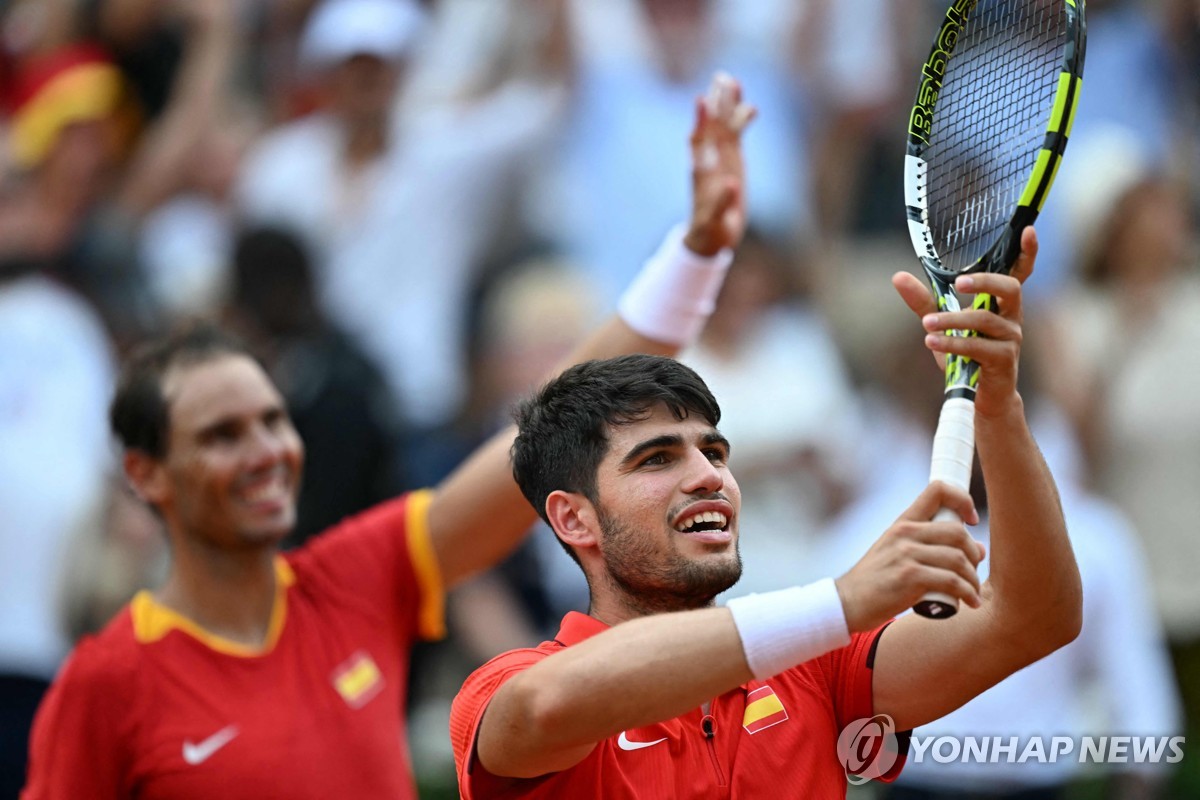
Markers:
782,629
672,297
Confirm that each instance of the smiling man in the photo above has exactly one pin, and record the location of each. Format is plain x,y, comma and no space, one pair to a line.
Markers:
656,692
254,673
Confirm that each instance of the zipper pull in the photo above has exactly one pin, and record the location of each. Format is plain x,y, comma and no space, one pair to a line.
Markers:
709,724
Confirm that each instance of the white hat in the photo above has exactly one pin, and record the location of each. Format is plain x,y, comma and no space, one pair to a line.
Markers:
340,29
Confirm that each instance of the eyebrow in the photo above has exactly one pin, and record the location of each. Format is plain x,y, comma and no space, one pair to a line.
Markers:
669,440
210,428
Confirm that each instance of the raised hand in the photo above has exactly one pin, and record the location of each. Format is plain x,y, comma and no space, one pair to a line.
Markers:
915,556
718,172
997,348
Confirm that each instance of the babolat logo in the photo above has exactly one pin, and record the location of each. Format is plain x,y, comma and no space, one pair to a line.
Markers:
920,123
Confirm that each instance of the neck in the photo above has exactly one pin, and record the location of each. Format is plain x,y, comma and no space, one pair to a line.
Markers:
613,605
230,595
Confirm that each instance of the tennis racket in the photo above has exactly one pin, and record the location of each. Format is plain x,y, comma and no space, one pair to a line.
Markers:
988,128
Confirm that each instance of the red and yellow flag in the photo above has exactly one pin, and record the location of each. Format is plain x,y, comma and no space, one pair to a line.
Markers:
763,709
358,679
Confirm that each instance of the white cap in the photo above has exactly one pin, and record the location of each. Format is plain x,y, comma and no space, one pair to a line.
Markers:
340,29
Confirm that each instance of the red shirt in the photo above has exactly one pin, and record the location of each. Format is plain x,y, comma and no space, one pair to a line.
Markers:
767,739
155,707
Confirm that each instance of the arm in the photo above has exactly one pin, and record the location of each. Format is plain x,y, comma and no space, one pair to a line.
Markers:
478,514
1032,602
200,89
549,717
654,668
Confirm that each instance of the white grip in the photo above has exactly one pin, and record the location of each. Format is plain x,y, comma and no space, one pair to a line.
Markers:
954,444
953,455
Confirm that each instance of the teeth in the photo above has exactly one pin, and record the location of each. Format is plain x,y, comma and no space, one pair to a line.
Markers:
705,517
267,491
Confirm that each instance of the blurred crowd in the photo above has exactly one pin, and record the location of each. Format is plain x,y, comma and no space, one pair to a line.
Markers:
412,209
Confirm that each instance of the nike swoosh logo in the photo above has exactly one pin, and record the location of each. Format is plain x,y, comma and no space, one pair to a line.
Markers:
202,751
624,743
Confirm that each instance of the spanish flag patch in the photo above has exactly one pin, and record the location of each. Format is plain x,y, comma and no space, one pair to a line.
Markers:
358,679
763,709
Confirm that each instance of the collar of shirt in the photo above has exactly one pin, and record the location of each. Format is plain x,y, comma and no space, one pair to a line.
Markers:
577,627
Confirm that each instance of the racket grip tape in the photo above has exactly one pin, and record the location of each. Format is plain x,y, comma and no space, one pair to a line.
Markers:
953,455
954,444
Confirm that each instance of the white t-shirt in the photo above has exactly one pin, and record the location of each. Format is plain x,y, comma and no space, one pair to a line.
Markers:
56,379
398,244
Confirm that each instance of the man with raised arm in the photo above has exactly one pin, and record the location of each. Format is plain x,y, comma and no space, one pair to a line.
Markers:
658,693
254,673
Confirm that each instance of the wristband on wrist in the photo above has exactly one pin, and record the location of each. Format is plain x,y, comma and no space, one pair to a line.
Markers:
788,627
672,297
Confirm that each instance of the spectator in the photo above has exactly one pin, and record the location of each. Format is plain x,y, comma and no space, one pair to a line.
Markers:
636,67
249,672
55,377
83,183
398,204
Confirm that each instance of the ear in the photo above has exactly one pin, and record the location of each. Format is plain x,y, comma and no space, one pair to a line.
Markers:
146,475
573,518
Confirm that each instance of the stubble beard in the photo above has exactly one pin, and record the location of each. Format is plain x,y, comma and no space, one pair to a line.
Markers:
651,584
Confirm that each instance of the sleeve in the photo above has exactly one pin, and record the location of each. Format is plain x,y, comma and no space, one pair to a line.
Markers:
849,672
466,713
79,743
384,557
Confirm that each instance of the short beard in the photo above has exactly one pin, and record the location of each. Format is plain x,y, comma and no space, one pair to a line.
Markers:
647,587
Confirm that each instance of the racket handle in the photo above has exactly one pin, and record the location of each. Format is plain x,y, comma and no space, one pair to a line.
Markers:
953,454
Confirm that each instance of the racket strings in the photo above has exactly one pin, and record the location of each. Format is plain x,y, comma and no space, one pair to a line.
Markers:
991,118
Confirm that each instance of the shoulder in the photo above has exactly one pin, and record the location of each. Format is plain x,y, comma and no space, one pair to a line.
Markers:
507,664
393,521
83,737
380,562
481,686
105,661
97,685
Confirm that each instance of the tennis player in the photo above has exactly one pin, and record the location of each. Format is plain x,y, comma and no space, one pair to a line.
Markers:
657,693
251,673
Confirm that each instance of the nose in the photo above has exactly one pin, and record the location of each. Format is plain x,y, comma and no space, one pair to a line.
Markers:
702,476
265,447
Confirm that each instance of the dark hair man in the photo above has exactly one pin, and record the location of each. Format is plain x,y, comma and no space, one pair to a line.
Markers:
252,673
658,693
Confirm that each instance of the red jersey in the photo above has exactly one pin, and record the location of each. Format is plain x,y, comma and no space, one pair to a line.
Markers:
767,739
155,707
